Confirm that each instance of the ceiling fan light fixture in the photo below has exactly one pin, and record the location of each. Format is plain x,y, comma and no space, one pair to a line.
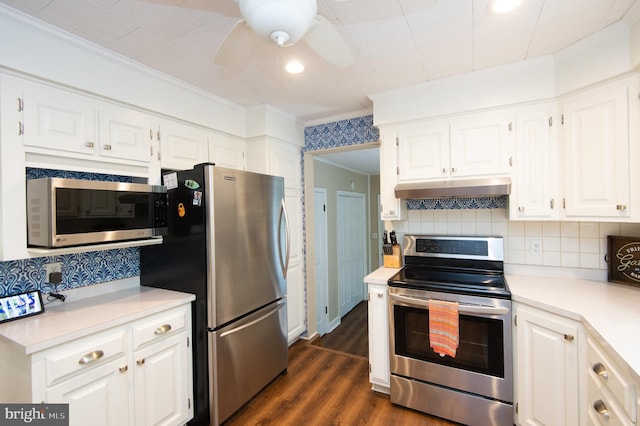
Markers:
276,20
279,37
496,7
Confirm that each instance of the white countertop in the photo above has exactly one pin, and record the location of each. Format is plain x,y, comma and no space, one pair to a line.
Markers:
381,275
75,319
609,311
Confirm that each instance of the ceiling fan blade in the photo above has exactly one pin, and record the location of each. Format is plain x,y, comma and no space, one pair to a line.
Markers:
327,42
237,44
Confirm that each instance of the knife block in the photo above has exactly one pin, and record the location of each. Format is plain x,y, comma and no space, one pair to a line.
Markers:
393,260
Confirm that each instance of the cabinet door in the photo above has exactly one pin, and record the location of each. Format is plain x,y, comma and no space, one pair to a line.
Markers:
295,274
60,120
182,146
534,177
547,369
285,160
97,397
391,208
423,152
161,382
124,133
226,151
378,338
481,144
596,153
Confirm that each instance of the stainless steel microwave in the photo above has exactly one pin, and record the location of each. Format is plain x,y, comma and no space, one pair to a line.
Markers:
67,212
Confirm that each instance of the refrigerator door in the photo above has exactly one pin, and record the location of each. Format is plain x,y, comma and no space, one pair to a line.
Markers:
247,253
245,356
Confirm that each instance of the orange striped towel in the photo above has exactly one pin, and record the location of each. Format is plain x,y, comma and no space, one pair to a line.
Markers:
443,327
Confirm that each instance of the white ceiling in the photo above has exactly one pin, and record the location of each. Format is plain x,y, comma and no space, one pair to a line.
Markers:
395,42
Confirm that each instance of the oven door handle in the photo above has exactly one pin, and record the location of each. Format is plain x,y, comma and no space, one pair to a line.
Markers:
463,308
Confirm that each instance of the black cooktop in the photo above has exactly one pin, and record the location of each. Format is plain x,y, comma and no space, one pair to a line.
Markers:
475,282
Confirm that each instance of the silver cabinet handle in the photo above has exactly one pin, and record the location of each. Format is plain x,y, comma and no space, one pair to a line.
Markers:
521,208
106,147
453,170
444,170
621,207
91,357
89,144
601,409
600,370
165,328
123,369
140,361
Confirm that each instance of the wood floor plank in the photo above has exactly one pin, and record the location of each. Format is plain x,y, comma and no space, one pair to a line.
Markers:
325,387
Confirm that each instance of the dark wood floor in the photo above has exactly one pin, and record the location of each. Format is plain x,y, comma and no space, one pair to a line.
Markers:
327,383
351,336
325,387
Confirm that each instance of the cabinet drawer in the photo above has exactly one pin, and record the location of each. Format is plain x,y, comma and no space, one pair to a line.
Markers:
603,409
607,373
82,354
158,326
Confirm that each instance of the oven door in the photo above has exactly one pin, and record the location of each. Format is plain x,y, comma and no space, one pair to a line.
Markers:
483,361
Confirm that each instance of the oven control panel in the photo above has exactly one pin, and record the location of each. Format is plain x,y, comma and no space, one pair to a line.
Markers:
486,248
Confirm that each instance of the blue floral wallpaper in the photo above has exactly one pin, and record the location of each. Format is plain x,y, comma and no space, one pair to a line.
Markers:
458,203
79,269
353,131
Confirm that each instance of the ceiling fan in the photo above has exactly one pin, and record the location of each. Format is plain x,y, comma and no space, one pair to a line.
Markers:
283,22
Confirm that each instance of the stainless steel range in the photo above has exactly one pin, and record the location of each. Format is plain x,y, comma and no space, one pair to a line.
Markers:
475,385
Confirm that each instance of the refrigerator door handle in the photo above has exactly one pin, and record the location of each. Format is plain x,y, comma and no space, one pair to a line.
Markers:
284,264
278,306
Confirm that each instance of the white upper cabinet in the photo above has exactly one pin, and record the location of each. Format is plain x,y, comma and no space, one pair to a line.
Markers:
596,151
391,207
481,144
535,185
227,151
469,146
182,146
423,151
82,127
124,133
56,119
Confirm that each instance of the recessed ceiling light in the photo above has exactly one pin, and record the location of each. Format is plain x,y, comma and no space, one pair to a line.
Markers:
294,67
502,6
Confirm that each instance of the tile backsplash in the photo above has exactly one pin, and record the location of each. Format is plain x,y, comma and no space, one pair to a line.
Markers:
557,244
78,269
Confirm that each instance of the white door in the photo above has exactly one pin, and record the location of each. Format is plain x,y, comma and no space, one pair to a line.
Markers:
321,256
351,244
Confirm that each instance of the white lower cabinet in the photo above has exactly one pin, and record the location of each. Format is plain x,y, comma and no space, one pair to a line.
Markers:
138,373
611,393
98,397
547,368
378,338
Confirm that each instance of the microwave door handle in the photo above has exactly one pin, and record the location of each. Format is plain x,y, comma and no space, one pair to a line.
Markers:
463,308
284,263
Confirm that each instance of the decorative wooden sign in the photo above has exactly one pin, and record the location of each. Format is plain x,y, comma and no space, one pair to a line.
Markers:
623,257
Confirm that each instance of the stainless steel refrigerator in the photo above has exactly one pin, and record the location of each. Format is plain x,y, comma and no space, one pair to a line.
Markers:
227,243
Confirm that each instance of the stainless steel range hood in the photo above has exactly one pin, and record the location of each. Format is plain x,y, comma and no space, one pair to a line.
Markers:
459,188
